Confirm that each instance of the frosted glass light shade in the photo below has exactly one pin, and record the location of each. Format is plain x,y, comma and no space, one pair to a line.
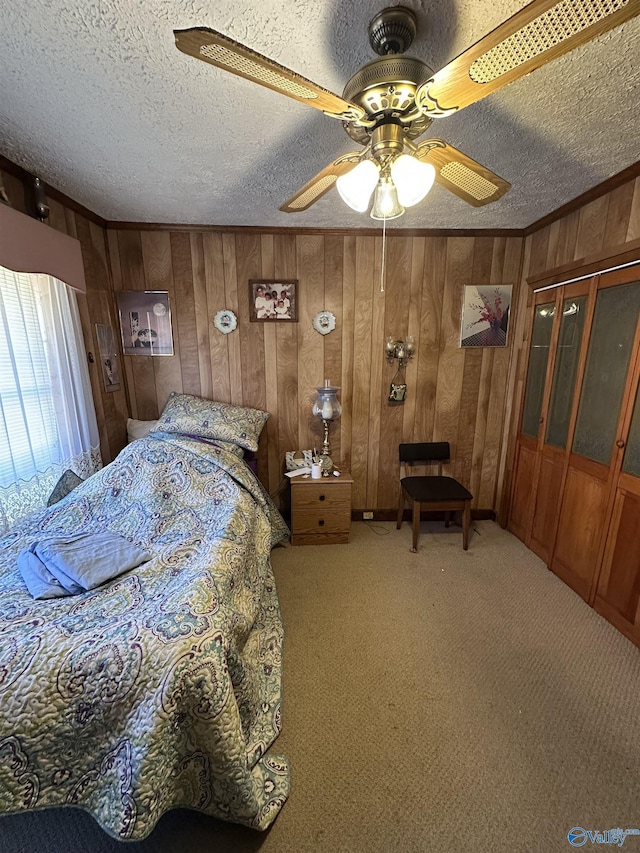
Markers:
413,179
327,406
385,201
356,186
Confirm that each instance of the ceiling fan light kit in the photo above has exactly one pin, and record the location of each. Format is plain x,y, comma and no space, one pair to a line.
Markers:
357,186
385,201
391,101
412,178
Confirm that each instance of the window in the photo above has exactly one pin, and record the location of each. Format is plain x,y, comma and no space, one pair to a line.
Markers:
47,419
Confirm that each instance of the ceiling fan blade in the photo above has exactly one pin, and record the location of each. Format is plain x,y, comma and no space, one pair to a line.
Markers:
537,34
463,176
322,182
213,47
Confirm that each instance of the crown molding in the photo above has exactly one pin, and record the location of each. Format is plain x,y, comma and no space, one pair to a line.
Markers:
356,232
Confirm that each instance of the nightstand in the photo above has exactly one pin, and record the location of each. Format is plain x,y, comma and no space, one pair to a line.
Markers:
321,510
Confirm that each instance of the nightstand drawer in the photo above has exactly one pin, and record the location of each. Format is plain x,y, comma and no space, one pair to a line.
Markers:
323,521
321,510
320,496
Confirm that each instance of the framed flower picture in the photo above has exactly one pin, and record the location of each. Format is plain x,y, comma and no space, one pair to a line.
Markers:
485,315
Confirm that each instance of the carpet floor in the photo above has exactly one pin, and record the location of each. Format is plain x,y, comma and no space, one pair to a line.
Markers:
442,701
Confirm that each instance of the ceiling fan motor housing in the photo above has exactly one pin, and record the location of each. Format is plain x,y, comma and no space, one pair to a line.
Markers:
386,87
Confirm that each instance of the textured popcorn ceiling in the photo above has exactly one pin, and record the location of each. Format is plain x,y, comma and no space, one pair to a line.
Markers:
96,99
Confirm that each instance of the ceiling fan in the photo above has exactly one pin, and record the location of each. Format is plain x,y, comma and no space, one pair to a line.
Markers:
391,101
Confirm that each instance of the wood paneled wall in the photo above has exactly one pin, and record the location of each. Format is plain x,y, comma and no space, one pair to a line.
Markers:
592,234
453,394
468,397
96,307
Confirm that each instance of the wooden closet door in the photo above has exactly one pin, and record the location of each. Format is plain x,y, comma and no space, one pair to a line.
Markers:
618,591
558,416
596,451
528,440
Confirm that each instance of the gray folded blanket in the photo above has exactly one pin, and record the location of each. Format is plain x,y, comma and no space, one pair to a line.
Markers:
56,566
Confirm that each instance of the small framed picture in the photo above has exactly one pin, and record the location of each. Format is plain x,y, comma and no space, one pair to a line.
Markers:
145,322
109,361
273,300
485,315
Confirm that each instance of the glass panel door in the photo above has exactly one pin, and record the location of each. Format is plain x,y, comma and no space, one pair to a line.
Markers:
610,345
538,358
565,370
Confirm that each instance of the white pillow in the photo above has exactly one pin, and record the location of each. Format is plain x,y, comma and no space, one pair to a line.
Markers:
138,429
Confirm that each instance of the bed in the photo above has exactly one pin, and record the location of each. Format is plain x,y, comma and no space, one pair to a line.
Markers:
161,688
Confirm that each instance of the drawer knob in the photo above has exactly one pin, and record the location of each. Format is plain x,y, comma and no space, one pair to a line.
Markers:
321,522
321,498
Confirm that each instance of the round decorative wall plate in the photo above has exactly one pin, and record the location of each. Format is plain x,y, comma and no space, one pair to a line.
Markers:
225,321
324,322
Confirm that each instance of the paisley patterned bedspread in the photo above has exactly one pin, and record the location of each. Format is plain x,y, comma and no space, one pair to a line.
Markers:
160,689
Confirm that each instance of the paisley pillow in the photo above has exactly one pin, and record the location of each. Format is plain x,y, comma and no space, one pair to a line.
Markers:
196,416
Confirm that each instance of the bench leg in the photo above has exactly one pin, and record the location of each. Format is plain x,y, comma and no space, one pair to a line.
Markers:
416,525
447,518
466,518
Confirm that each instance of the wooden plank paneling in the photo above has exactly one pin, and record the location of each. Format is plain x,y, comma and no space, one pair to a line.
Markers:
347,332
452,357
591,231
286,357
248,266
415,305
333,278
428,344
185,312
218,352
361,368
310,265
377,401
396,323
159,275
270,458
201,305
233,301
633,228
618,214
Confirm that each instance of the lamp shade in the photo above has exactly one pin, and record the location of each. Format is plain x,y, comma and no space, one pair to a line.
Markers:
356,186
385,201
413,179
327,406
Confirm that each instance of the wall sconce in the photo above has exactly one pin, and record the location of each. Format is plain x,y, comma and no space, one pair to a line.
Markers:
40,206
402,350
328,408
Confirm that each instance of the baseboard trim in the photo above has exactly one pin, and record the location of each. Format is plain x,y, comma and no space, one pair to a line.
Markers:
392,514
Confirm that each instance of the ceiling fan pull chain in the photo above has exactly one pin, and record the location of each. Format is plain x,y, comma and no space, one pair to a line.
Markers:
384,246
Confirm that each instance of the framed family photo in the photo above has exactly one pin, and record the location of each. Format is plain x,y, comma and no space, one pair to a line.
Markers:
271,301
145,322
485,315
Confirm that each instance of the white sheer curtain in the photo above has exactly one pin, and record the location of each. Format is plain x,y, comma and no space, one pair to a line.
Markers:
47,418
